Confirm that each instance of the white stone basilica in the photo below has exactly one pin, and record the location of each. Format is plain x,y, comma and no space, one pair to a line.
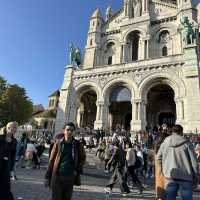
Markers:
138,69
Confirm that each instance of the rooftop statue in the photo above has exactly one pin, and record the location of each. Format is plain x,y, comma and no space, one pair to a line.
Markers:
137,7
128,8
188,32
74,56
109,13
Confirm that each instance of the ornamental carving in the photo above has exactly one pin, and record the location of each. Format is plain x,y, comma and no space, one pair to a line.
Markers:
103,81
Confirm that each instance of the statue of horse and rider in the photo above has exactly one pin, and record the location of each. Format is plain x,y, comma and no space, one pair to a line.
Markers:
188,31
75,56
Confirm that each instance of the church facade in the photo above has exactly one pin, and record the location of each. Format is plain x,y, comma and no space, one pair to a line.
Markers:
140,69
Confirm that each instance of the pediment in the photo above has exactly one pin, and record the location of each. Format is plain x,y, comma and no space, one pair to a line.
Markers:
115,20
162,8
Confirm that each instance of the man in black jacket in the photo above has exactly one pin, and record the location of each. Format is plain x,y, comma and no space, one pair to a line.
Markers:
7,159
11,129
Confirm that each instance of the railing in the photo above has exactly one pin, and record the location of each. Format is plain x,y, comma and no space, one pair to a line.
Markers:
37,135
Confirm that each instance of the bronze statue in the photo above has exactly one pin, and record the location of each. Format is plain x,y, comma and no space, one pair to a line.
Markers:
188,32
74,56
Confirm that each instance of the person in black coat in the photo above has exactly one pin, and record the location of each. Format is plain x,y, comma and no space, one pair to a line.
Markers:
5,163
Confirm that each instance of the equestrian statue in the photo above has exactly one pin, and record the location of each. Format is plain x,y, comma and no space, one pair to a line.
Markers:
74,56
188,31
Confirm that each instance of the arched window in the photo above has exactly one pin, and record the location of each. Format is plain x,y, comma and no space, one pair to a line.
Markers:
110,53
164,51
133,39
110,60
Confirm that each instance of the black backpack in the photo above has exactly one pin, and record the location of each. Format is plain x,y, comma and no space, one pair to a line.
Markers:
122,157
138,162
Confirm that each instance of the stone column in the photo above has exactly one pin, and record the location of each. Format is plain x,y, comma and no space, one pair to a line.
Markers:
182,110
105,116
133,115
177,110
143,114
110,121
100,116
125,53
180,115
122,54
80,117
138,115
147,49
143,6
141,49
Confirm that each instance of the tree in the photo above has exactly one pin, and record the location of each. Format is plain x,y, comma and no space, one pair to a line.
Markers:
14,104
3,85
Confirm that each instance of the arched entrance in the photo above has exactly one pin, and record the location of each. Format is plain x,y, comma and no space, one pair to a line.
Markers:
87,109
161,107
120,109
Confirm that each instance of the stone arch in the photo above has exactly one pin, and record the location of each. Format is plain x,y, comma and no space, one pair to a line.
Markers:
142,31
111,39
111,51
131,85
119,113
133,46
170,79
86,97
160,93
155,44
169,27
81,88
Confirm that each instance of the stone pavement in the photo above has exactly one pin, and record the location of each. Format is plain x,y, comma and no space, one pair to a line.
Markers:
29,185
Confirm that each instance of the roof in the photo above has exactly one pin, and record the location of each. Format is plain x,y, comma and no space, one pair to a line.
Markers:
38,109
56,93
46,114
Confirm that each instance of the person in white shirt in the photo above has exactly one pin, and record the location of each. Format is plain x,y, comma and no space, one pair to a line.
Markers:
131,160
30,150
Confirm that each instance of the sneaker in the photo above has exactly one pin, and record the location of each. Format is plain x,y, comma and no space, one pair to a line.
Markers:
106,171
108,190
140,191
124,194
13,178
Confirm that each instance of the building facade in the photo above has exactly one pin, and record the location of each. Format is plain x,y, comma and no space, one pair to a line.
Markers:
140,69
45,118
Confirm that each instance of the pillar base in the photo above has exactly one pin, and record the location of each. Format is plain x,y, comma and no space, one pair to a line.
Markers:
138,125
98,125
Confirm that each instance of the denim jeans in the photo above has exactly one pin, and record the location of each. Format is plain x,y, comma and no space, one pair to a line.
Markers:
172,187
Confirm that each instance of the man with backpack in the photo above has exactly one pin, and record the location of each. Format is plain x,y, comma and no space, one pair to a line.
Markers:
133,163
117,161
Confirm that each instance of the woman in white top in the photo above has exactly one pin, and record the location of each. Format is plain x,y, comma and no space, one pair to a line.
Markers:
30,150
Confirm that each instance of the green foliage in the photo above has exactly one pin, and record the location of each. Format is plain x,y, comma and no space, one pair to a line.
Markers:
3,84
14,104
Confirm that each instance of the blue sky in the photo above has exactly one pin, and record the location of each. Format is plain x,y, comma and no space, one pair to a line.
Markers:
34,39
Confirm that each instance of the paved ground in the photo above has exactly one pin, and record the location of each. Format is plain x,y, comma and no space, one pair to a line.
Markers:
29,185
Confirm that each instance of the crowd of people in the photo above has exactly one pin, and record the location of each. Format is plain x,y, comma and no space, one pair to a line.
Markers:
164,154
